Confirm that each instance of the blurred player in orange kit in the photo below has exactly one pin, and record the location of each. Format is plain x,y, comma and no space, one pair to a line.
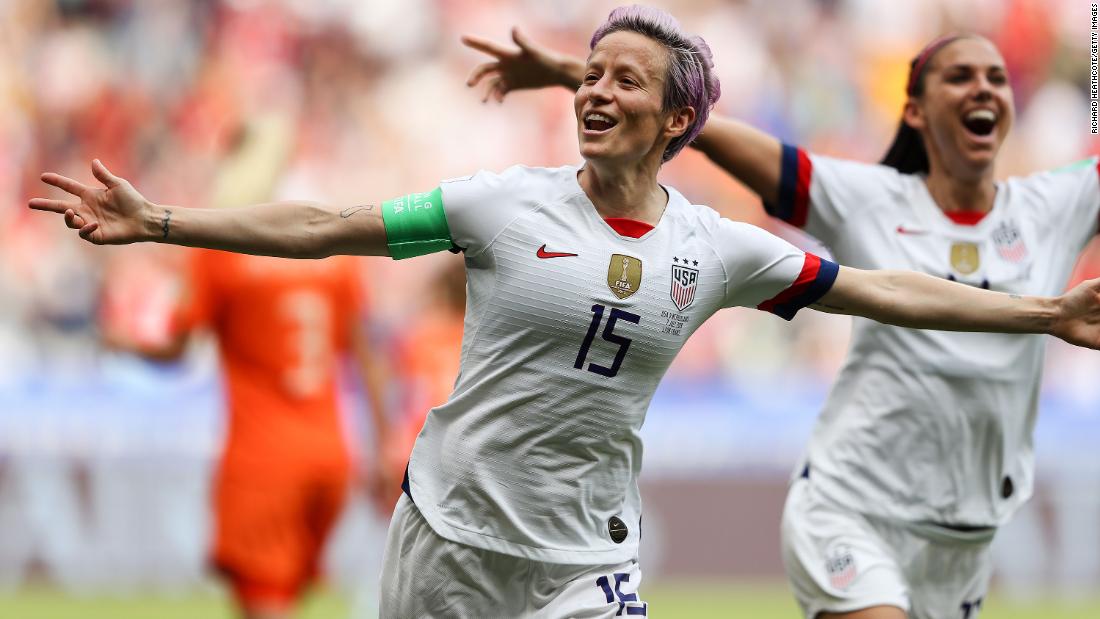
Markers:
428,355
283,329
282,481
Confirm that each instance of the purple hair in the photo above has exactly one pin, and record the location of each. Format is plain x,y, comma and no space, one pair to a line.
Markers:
691,81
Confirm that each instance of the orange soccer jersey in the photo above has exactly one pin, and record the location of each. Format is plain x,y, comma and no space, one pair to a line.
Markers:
281,326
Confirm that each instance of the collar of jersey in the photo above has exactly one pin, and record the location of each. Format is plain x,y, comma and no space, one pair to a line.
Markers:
941,218
673,197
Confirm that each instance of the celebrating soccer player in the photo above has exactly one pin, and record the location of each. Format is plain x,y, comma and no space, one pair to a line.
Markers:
960,407
521,496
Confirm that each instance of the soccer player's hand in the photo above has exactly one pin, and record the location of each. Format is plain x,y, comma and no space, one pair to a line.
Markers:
1078,320
528,66
113,215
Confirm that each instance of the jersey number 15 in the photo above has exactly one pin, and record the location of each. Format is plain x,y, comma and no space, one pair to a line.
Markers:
609,335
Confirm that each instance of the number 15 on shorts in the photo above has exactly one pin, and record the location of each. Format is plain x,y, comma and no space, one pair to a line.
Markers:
629,603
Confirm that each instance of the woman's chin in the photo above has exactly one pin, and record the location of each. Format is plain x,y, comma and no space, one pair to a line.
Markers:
980,159
593,152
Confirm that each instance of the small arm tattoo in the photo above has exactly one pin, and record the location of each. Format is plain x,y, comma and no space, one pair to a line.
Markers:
1013,295
164,224
348,212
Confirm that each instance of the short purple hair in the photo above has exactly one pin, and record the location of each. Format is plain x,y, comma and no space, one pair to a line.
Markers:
690,81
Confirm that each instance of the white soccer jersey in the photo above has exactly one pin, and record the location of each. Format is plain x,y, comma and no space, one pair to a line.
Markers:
569,328
931,425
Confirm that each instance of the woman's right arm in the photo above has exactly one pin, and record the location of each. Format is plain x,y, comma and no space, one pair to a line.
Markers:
117,214
750,155
745,152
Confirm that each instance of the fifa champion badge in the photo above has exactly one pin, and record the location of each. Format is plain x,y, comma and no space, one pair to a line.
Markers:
624,275
964,258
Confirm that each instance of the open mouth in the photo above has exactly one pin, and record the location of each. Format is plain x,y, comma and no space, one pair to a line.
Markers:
980,122
599,123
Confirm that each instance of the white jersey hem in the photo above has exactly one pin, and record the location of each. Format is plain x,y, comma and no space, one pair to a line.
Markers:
626,552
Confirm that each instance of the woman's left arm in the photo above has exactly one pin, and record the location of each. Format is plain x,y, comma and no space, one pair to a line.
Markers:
118,214
916,300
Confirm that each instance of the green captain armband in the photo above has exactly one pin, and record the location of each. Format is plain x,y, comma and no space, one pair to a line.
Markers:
416,225
1076,165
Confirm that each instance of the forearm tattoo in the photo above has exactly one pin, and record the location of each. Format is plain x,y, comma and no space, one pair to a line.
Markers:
348,212
164,224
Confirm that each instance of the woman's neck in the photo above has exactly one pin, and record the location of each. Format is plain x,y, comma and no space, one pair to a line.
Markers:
632,194
954,193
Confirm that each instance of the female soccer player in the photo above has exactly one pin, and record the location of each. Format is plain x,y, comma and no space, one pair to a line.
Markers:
924,446
521,496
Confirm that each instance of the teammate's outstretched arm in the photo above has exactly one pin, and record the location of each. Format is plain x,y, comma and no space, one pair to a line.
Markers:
745,152
117,214
920,301
526,66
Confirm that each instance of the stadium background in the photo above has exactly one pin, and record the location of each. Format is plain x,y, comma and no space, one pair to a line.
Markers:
104,458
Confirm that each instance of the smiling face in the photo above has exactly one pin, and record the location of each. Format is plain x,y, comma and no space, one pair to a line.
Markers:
619,104
965,109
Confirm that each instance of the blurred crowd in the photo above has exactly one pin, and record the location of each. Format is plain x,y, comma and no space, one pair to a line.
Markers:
362,101
357,101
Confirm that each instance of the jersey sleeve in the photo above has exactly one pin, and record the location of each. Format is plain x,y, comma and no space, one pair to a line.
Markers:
1072,195
199,298
819,194
768,273
481,206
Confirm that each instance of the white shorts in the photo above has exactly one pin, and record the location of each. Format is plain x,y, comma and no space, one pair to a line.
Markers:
425,575
839,561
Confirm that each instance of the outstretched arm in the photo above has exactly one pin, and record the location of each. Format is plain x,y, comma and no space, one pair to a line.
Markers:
748,154
117,214
920,301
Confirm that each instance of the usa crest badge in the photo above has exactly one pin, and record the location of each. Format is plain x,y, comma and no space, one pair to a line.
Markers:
1009,243
684,280
964,258
840,563
624,275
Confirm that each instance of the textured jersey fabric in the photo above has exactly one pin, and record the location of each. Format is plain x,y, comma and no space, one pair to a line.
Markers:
569,327
932,425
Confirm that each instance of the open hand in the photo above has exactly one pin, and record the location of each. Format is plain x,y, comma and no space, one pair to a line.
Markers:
1078,321
528,66
113,215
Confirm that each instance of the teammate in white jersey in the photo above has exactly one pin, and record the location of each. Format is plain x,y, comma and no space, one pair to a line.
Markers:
924,446
522,495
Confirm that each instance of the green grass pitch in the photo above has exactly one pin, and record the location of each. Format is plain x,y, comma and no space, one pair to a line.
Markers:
761,601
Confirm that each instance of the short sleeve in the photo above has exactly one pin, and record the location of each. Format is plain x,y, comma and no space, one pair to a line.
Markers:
200,291
480,207
768,273
819,194
1072,196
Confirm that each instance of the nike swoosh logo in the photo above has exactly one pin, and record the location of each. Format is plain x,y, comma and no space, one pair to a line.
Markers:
904,230
542,253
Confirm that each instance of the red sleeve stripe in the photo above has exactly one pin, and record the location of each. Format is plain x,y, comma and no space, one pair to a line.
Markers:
812,283
796,172
802,190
